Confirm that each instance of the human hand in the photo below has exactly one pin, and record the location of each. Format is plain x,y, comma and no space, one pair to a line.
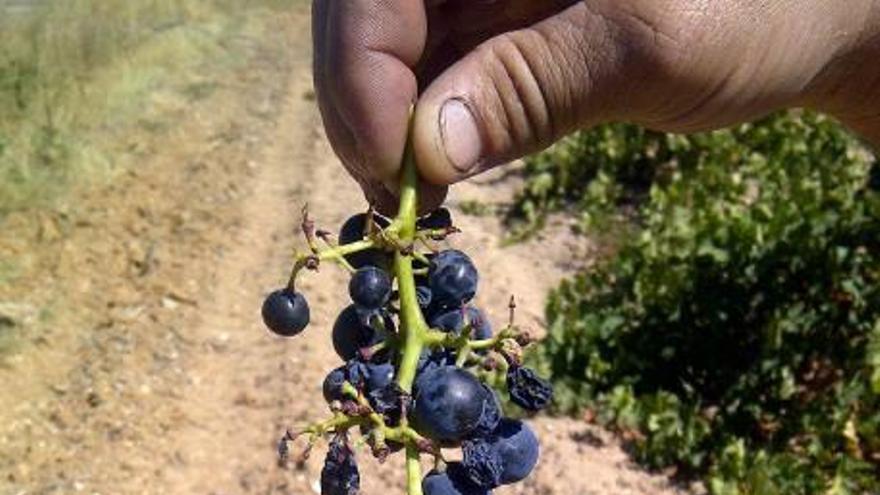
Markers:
497,79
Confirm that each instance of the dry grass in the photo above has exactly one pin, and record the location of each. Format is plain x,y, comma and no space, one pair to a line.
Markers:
75,75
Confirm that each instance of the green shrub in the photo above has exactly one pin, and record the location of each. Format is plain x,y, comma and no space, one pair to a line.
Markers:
736,332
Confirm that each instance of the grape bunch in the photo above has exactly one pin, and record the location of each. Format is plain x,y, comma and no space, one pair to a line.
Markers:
413,348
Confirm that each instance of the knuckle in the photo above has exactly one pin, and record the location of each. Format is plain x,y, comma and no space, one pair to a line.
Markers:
518,113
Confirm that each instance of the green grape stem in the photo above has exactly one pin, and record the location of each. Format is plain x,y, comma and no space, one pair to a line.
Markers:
413,328
335,254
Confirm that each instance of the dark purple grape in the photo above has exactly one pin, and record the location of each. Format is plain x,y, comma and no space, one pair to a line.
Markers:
370,287
449,404
432,359
506,456
423,296
482,464
518,447
286,312
379,375
355,229
450,482
437,219
351,334
340,474
453,320
332,386
388,401
357,373
453,279
527,389
491,414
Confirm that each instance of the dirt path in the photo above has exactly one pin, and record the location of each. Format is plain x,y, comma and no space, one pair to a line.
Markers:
158,376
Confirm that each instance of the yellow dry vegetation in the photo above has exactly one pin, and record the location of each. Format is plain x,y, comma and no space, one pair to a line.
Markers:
79,77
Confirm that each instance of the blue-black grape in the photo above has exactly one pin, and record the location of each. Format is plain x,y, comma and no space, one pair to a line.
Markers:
355,372
491,414
453,279
286,312
527,389
370,287
379,375
355,229
453,320
431,359
449,403
506,456
351,333
340,474
332,387
450,482
388,401
437,219
423,296
518,447
482,464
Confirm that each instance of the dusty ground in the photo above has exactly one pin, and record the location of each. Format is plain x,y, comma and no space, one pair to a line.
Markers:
141,365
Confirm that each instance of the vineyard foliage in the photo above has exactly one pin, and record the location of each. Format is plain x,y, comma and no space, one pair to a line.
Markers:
734,335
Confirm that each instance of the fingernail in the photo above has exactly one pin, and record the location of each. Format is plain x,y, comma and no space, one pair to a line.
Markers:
461,137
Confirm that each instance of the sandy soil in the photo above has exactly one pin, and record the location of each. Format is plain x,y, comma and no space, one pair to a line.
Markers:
144,367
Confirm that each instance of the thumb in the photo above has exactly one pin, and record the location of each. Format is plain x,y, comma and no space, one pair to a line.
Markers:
519,92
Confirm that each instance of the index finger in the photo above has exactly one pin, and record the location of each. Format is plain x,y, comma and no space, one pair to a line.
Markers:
364,54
